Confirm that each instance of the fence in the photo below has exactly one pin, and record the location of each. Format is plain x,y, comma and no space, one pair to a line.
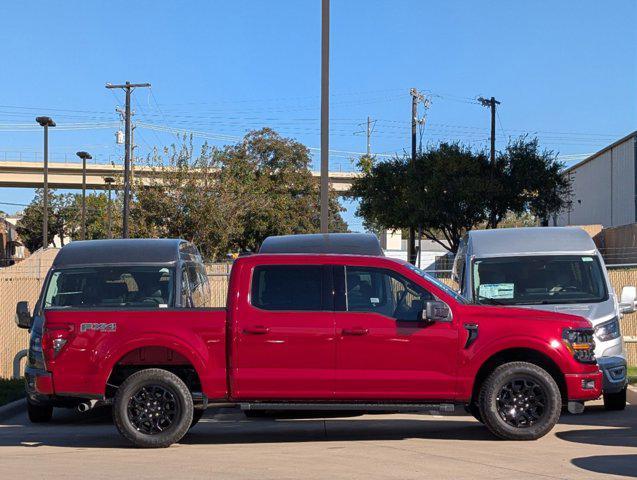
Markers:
23,281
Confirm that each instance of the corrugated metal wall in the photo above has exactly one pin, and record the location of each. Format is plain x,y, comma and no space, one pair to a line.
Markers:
604,188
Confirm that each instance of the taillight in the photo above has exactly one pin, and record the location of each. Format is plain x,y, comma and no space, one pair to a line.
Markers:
580,343
53,341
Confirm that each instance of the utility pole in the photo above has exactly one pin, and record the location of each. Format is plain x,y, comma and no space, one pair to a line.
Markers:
46,122
109,182
325,113
491,103
127,87
369,134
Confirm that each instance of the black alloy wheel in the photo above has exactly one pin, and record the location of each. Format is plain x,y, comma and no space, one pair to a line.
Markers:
153,409
521,402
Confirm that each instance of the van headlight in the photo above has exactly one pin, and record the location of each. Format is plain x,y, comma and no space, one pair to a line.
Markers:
608,330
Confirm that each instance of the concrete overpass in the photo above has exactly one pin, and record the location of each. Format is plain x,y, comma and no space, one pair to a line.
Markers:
69,175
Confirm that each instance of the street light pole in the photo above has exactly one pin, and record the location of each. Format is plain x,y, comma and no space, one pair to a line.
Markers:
84,156
325,114
45,122
109,181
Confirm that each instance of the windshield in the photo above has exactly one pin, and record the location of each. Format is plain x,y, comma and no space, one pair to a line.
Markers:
535,280
442,286
111,287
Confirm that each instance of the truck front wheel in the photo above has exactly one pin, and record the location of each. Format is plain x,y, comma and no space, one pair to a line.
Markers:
520,401
153,408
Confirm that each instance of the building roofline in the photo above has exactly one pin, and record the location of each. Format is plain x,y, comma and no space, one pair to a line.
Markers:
601,152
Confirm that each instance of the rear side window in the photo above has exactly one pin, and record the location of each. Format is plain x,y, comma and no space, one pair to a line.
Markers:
287,287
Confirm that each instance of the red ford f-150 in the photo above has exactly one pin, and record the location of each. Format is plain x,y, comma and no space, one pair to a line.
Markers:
314,325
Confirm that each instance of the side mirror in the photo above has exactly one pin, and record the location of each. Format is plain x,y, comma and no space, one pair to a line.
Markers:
436,311
628,300
23,317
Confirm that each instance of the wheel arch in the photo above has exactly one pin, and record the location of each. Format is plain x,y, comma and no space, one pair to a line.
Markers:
519,354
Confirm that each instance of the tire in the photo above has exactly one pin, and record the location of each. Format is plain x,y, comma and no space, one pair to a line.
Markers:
196,416
169,413
39,413
615,401
474,410
507,389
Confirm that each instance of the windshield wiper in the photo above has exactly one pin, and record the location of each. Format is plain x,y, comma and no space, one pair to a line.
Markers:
491,301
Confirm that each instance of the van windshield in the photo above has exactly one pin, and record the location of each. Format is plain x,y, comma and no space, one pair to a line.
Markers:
111,287
532,280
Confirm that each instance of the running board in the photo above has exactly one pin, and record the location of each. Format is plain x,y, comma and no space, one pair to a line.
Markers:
367,407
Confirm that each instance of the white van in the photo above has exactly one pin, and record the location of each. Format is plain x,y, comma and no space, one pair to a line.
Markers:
550,268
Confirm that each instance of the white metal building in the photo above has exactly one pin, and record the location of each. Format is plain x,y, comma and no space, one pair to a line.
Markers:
605,187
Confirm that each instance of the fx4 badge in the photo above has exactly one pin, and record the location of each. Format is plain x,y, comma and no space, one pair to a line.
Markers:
98,327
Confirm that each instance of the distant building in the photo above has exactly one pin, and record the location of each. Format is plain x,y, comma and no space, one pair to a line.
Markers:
11,248
433,256
604,187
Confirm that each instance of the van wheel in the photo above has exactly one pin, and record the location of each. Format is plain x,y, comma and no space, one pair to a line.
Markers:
615,401
39,413
196,416
153,408
520,401
474,410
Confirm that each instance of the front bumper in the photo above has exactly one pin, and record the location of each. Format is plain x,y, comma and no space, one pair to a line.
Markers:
615,372
584,386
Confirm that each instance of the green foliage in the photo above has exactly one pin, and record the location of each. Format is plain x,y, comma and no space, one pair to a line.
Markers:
29,227
230,199
450,189
11,390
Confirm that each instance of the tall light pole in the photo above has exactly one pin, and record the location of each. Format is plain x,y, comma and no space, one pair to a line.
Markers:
109,181
325,113
45,122
84,156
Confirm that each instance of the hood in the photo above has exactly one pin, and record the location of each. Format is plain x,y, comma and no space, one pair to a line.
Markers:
595,312
517,313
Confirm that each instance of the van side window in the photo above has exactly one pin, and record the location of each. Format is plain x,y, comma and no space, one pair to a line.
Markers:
384,292
287,287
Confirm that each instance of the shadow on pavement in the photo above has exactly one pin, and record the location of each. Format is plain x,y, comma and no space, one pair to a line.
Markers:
609,464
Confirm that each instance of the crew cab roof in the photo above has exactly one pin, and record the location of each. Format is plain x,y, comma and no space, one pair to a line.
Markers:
324,243
124,251
504,242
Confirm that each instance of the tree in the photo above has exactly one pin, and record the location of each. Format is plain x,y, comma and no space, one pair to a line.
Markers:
29,227
450,189
230,199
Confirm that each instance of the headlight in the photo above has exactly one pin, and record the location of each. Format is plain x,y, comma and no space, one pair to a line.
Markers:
580,343
608,330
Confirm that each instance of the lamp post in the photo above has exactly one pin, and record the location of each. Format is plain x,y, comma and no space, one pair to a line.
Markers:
109,181
84,156
45,122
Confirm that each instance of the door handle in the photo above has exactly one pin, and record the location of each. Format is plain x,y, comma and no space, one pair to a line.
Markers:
256,330
358,331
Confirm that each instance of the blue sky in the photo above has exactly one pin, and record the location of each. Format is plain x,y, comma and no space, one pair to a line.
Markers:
565,70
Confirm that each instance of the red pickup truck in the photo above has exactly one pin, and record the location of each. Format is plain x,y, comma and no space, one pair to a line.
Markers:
128,322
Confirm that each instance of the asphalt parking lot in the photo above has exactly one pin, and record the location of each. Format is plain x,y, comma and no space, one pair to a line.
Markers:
226,445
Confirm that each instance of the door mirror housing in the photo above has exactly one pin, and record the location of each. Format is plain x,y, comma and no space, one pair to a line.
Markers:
628,300
436,311
23,318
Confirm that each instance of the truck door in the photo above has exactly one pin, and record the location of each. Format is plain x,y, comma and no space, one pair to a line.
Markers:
383,350
284,334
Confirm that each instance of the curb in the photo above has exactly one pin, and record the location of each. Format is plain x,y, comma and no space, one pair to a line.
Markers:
12,408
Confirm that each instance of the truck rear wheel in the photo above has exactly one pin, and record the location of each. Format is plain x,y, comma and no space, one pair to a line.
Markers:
39,413
153,408
615,401
520,401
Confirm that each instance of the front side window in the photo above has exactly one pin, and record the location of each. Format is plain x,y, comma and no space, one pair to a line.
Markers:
287,287
111,287
542,279
384,292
